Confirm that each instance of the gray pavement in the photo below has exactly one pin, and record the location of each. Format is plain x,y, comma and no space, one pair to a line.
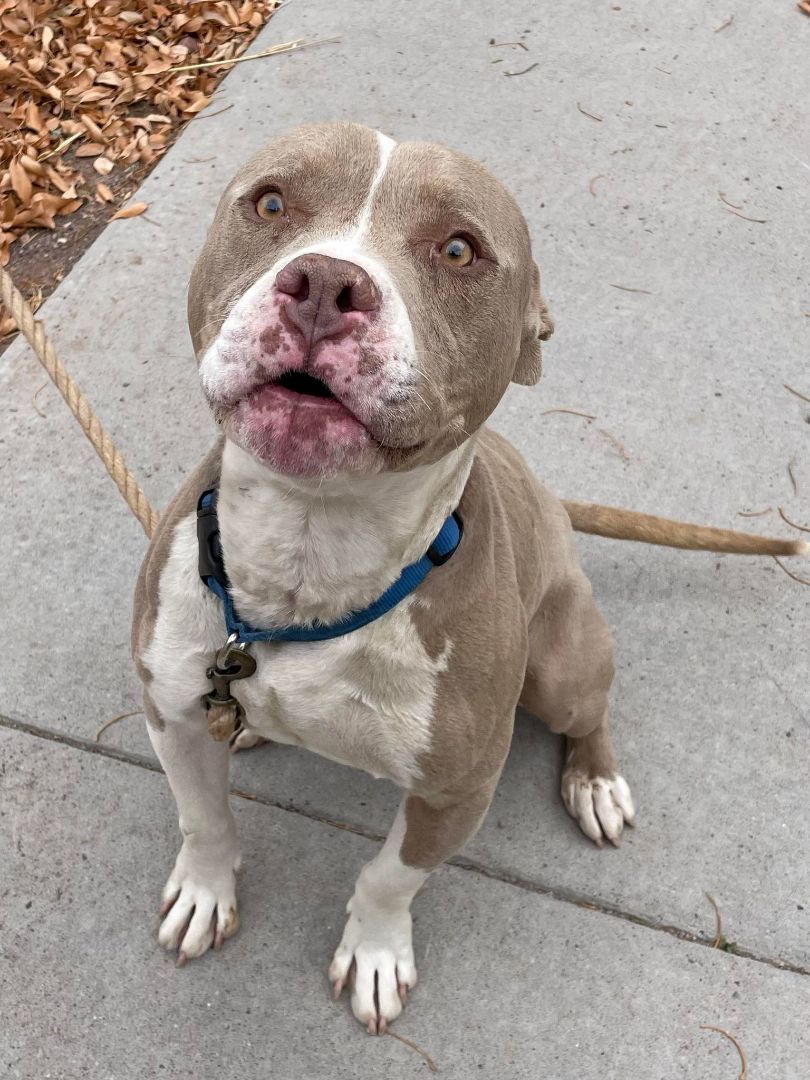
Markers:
711,707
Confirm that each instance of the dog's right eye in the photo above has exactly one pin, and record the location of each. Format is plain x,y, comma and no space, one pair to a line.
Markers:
270,206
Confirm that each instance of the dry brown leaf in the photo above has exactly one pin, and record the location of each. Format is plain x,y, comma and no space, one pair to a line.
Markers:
20,181
196,106
109,78
133,210
90,149
157,67
103,192
103,165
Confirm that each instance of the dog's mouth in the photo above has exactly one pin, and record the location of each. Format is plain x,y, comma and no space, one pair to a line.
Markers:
299,382
307,400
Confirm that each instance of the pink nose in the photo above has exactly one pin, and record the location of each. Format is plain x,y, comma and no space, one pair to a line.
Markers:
323,292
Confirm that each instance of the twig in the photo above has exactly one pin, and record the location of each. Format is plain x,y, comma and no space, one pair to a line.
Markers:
592,115
723,198
796,392
616,442
754,513
627,288
781,565
743,1063
793,524
198,160
502,44
274,50
531,67
208,115
243,794
64,143
34,397
573,412
431,1064
664,70
718,933
592,181
745,217
115,719
792,475
723,25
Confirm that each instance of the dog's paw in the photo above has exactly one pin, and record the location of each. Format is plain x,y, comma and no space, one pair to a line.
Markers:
245,739
198,908
375,959
599,805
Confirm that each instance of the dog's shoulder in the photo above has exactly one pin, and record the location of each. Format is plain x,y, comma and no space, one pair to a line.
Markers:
147,588
518,538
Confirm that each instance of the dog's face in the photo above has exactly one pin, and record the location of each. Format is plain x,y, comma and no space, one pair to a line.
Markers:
361,305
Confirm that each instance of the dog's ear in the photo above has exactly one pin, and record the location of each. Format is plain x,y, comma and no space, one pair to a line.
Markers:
537,326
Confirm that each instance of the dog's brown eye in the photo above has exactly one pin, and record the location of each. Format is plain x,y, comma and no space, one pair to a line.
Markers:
457,252
270,206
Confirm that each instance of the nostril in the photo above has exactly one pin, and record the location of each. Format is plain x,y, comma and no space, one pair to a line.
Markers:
363,294
343,300
294,282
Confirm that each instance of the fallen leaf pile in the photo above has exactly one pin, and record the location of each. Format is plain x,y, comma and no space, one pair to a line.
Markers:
97,79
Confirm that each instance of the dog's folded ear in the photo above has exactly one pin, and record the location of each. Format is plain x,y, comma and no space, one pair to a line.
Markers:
537,326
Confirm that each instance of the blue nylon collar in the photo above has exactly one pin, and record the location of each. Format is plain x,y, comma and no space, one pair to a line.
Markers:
213,574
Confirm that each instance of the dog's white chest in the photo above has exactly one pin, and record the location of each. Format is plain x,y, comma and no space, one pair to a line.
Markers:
365,699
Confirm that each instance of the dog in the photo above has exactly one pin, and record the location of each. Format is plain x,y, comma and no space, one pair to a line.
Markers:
358,309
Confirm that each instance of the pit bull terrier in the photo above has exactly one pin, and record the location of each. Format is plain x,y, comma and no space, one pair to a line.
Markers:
358,310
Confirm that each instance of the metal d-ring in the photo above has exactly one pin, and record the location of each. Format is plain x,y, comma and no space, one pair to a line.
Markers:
233,642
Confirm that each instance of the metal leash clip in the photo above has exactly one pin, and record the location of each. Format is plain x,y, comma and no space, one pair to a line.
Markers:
224,711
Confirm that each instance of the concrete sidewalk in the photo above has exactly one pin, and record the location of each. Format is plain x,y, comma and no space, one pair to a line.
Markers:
542,956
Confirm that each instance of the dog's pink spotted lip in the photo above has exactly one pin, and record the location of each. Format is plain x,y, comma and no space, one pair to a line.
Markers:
268,399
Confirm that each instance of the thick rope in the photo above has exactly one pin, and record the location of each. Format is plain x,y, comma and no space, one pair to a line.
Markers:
78,404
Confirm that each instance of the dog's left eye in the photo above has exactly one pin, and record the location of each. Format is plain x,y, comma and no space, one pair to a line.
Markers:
270,206
457,252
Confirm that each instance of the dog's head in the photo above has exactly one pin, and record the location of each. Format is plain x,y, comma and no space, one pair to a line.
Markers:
361,305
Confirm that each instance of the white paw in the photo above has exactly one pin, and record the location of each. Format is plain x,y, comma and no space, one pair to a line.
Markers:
198,906
245,739
599,806
375,957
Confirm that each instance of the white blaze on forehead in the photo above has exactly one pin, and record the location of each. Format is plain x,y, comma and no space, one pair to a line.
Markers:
387,147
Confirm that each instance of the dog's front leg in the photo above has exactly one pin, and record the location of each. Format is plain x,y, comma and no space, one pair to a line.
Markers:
376,952
199,899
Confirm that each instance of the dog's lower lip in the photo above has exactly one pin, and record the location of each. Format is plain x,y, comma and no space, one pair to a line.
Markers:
278,391
316,411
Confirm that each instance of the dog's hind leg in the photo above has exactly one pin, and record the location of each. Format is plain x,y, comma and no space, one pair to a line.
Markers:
569,672
593,792
247,739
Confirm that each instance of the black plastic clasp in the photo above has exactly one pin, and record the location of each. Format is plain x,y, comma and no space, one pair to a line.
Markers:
436,557
209,561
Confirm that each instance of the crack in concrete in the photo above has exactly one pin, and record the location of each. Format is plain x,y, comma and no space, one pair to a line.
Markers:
566,896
